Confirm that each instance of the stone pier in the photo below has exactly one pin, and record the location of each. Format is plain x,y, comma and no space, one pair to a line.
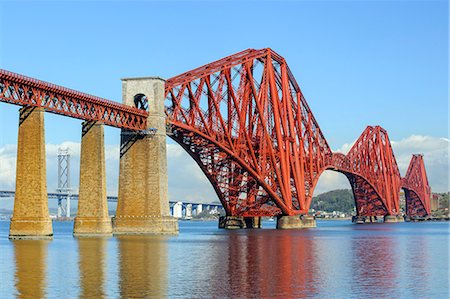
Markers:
92,217
296,222
31,217
143,204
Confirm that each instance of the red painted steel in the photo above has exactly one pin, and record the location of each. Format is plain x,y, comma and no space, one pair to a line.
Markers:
25,91
373,173
246,123
416,188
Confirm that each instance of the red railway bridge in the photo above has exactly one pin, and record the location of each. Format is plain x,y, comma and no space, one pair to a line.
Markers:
246,123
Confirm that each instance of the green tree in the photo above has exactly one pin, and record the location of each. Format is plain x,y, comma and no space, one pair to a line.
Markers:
336,200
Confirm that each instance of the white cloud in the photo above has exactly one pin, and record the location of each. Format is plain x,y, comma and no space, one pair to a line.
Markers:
345,148
188,183
186,180
8,166
435,154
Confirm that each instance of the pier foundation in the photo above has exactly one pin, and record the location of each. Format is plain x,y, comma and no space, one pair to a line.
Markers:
143,204
393,219
296,222
92,217
238,222
359,219
31,216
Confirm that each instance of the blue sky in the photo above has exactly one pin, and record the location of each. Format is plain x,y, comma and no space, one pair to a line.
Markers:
358,63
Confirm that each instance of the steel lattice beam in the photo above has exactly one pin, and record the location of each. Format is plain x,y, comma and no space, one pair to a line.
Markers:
372,170
416,187
245,122
25,91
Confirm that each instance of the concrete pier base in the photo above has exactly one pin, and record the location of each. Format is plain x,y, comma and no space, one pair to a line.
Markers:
231,222
92,227
92,218
31,217
296,222
253,222
143,203
359,219
238,222
365,219
393,219
132,225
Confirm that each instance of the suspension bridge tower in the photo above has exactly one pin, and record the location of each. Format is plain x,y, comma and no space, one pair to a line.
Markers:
64,190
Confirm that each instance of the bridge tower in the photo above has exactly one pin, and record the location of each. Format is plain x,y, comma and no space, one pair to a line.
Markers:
64,182
143,204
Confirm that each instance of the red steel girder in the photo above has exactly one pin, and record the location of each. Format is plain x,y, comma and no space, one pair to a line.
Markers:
373,173
25,91
371,159
245,121
416,188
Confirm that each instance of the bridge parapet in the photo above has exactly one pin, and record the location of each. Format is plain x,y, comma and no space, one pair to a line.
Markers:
25,91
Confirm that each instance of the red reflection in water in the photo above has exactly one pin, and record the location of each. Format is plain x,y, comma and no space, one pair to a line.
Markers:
263,263
375,264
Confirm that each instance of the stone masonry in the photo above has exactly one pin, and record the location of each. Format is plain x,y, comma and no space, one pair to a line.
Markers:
143,204
31,216
92,217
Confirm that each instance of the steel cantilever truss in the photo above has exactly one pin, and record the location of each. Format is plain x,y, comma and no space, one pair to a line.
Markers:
373,173
245,122
416,188
25,91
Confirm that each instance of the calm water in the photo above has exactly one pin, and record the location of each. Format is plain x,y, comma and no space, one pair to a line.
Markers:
335,260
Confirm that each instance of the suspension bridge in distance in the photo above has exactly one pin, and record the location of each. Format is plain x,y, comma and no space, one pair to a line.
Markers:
178,209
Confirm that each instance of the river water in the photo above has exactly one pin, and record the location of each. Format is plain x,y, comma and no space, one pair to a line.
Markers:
335,260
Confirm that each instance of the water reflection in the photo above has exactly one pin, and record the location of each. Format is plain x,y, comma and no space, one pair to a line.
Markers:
332,261
142,266
30,261
418,262
91,264
375,265
262,263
